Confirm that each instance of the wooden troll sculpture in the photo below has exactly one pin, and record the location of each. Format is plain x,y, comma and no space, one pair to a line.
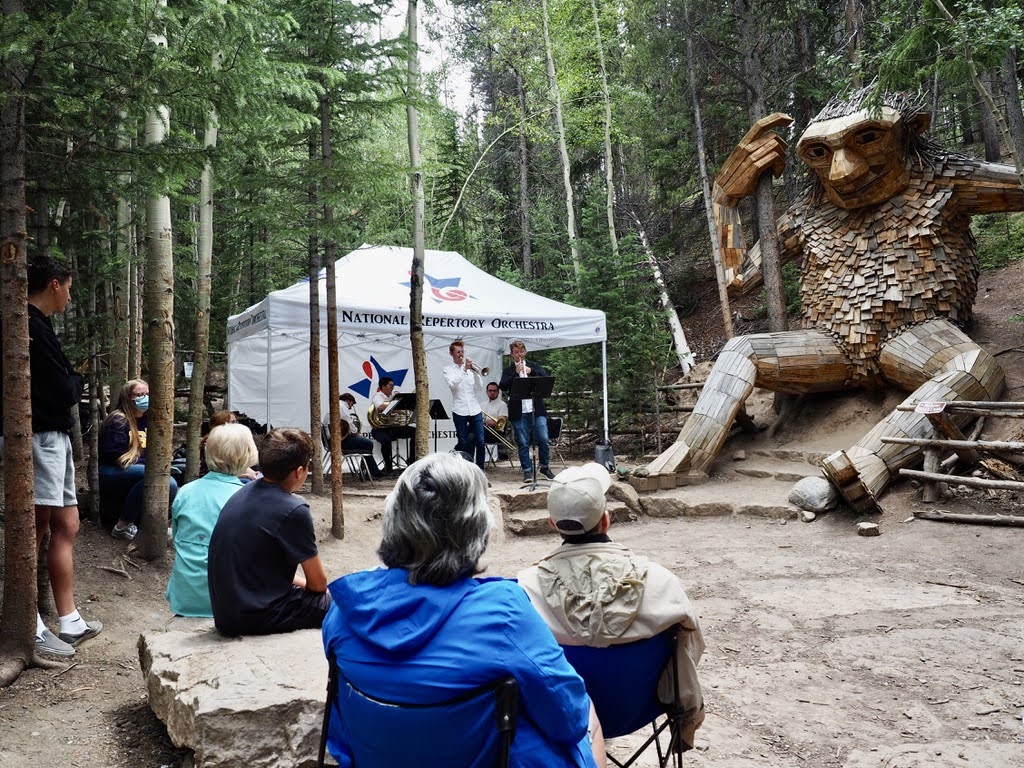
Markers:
890,272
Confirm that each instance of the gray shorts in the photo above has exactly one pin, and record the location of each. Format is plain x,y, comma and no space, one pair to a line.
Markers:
54,466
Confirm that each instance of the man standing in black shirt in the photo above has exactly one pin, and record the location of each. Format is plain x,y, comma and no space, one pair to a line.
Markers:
55,389
529,416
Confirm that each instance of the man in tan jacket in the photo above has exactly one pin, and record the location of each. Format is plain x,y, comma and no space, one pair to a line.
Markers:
592,591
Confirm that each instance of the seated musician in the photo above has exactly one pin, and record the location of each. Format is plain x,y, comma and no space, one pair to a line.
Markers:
351,440
387,433
495,419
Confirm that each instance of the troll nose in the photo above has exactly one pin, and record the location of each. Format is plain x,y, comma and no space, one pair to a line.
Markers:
846,166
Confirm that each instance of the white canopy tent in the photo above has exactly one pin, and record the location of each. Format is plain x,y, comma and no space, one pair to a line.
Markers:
268,344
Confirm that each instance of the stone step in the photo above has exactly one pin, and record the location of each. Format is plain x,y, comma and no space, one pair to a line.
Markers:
724,496
534,522
762,466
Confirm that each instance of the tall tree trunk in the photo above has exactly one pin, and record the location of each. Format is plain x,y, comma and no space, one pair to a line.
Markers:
563,152
94,383
989,129
806,58
119,286
330,254
136,287
419,354
966,120
204,270
716,250
771,268
609,164
854,28
316,482
159,315
683,353
525,234
1011,94
17,630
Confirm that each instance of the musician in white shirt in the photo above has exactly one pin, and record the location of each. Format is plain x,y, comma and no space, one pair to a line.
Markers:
464,380
494,408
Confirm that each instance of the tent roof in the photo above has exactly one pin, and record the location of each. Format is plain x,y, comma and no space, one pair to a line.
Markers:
459,300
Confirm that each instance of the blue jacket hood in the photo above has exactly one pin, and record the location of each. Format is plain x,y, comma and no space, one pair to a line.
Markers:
382,609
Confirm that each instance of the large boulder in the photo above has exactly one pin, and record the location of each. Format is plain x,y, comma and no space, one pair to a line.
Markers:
253,701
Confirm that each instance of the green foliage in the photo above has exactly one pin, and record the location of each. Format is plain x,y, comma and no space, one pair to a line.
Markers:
1000,239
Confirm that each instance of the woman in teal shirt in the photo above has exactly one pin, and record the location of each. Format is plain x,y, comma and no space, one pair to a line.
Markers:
230,451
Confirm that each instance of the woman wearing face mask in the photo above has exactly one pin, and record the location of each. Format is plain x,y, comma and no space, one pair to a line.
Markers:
122,449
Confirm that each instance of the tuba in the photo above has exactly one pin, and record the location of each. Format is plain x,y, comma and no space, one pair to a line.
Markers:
394,419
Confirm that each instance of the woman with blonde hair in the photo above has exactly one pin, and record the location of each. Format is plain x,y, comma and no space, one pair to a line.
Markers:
122,459
230,451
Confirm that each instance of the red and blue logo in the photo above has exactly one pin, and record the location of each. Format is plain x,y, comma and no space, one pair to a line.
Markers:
444,288
365,387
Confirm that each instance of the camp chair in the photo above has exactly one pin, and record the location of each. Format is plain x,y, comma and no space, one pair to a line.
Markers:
555,436
354,462
474,729
622,682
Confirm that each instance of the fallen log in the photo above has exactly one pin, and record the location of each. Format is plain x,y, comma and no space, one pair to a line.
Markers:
1016,521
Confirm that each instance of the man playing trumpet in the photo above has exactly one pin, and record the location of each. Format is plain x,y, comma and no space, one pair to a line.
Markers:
464,380
495,419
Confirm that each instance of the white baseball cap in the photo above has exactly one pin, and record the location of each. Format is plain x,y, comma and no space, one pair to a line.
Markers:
576,498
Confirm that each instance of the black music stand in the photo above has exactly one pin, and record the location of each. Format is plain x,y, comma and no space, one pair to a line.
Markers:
405,401
527,388
437,411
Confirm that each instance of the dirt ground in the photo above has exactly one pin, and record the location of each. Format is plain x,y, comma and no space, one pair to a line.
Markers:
824,648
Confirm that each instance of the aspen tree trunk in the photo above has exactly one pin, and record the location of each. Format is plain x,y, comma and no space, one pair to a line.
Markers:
526,248
159,316
17,629
419,355
119,286
771,268
563,152
683,353
716,251
609,164
136,287
316,482
204,268
330,253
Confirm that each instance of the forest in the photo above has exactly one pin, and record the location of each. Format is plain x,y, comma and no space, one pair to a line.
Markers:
185,157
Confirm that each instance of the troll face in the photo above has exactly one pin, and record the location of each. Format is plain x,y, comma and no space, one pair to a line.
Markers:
860,158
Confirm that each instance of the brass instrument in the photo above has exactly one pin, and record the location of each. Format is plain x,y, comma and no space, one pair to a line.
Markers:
498,431
345,428
469,365
397,418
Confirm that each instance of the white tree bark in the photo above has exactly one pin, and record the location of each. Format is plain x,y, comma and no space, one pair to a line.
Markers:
609,164
159,319
563,152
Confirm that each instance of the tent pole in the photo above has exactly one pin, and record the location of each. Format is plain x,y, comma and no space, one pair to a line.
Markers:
267,422
604,382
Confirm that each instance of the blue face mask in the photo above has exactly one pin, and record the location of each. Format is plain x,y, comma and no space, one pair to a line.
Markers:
142,403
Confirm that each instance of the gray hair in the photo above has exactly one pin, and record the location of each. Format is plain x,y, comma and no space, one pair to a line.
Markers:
230,449
436,520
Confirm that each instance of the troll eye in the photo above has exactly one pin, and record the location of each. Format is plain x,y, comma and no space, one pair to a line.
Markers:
868,136
816,151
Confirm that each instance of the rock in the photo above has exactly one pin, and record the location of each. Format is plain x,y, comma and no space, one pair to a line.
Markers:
868,529
739,456
253,701
641,472
814,494
807,516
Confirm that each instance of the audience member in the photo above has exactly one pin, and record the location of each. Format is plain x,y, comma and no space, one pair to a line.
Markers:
122,459
230,451
263,535
55,389
592,591
424,627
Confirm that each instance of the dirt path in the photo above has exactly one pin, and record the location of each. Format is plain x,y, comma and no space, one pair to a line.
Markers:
825,649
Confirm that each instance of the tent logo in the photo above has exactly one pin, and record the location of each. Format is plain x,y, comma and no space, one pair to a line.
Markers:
444,288
364,386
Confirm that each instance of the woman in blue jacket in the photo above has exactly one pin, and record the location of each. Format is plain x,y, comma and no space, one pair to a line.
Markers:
423,629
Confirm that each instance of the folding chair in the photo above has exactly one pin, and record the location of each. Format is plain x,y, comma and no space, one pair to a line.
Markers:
622,682
474,729
356,463
554,436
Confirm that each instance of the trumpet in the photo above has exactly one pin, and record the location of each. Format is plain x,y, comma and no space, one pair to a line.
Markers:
469,365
